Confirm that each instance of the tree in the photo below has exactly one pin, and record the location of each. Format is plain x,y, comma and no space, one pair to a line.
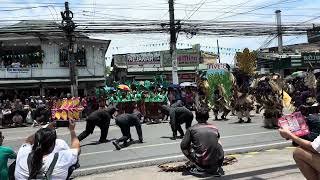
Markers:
246,61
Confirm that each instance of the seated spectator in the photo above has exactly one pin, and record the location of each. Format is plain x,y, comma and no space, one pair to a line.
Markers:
201,145
307,155
17,120
42,155
41,115
5,154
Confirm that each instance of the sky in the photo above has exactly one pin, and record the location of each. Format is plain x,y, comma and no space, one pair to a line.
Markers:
293,11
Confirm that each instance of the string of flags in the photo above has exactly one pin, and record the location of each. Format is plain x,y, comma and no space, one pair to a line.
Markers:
223,50
23,55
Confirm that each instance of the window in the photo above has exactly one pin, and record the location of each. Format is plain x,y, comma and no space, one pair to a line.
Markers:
79,56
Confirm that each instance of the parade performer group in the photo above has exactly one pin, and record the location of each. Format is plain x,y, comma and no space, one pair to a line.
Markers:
201,142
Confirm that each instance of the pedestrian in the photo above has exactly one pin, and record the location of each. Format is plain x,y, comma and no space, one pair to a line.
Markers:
5,154
201,145
178,116
100,118
125,121
42,156
306,156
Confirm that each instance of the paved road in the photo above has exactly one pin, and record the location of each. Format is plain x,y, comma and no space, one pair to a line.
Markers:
157,144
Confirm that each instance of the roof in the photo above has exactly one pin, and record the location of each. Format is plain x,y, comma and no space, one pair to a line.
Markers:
43,29
39,28
293,48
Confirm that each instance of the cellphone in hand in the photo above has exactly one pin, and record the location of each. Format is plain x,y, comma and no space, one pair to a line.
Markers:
62,123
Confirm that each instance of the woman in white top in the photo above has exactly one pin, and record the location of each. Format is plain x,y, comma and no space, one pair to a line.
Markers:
42,147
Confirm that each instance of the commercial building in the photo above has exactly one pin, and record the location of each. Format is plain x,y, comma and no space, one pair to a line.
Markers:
146,65
295,57
38,62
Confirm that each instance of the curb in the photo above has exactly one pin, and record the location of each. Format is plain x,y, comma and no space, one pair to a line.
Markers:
169,159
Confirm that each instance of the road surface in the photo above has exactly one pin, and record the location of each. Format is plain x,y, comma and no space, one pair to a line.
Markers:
158,145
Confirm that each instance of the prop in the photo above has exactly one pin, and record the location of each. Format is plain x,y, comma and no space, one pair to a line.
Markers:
66,109
180,167
296,123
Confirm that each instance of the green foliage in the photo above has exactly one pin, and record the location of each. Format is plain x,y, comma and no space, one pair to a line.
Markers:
216,79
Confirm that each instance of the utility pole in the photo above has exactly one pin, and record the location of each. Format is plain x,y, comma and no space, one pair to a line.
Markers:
279,28
173,44
218,51
68,27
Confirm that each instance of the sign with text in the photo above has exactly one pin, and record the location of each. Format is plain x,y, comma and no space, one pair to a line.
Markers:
147,59
310,58
185,58
218,66
18,70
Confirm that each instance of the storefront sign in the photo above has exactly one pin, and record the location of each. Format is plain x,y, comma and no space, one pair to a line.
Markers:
185,58
310,58
188,59
18,70
144,59
218,66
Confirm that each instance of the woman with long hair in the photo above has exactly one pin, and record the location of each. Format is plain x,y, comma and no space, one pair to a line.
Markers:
44,155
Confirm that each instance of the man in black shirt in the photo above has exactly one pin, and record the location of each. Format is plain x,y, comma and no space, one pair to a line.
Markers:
202,147
178,116
100,118
125,121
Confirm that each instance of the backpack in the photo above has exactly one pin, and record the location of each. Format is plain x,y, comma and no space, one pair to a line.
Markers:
47,175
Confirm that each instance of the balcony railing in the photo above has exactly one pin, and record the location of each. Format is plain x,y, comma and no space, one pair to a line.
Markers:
16,73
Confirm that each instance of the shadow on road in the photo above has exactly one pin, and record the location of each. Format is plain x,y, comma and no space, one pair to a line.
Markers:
130,143
96,143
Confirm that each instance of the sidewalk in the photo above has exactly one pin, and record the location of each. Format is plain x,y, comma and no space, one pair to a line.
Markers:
275,164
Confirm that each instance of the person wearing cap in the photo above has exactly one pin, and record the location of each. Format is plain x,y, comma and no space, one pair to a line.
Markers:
125,121
178,116
201,145
100,118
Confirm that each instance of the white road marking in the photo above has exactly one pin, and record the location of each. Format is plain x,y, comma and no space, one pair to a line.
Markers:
60,132
174,157
171,143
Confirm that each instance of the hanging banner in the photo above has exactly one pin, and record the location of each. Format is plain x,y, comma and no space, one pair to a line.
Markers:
147,59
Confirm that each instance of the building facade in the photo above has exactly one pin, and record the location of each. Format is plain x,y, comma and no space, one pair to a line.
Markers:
39,61
304,56
146,65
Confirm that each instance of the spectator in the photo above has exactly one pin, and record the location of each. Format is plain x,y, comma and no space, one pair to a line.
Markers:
42,151
307,155
41,115
5,154
201,145
17,120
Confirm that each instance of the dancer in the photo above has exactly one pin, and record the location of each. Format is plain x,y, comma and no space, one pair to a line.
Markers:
178,116
100,118
125,121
